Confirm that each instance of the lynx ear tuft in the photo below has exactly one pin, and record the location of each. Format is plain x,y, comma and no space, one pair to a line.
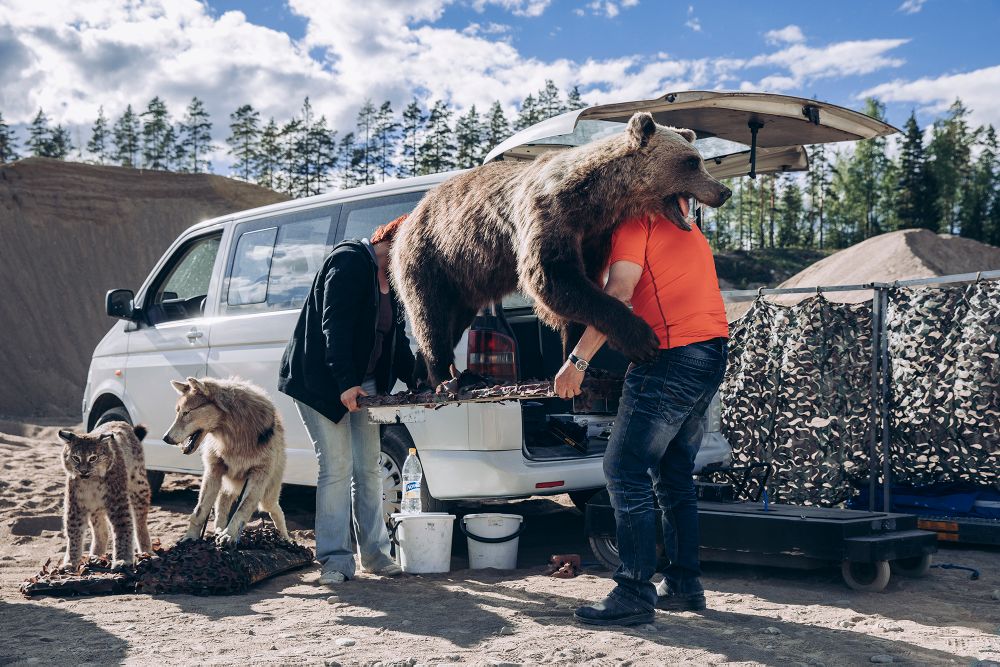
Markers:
67,436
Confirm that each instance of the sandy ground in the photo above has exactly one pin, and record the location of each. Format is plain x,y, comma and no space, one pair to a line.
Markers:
756,616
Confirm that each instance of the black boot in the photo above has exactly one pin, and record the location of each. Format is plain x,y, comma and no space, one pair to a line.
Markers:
673,601
614,611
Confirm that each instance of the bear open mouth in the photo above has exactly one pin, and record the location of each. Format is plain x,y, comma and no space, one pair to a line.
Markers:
192,442
676,209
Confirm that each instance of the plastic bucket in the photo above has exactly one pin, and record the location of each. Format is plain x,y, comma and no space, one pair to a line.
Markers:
493,539
424,541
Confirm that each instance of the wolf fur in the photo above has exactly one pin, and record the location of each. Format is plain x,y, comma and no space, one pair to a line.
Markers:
106,482
543,227
242,443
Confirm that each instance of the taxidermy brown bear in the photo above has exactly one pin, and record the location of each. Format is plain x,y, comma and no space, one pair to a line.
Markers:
543,227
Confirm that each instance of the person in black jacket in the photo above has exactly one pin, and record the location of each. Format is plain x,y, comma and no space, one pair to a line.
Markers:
349,341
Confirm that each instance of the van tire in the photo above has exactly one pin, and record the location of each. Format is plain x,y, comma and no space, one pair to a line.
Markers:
120,414
605,551
396,443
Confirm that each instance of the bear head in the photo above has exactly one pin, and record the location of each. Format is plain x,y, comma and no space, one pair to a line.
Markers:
669,171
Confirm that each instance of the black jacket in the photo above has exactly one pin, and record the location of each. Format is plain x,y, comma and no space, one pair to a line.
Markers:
335,334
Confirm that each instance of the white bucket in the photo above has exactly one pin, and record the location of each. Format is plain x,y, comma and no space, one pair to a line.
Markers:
424,541
498,537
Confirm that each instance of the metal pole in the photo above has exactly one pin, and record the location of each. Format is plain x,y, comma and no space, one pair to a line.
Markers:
874,416
883,292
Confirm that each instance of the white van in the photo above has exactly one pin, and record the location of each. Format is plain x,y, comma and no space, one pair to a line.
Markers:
224,298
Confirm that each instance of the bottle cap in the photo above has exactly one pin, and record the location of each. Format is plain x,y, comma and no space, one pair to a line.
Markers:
413,450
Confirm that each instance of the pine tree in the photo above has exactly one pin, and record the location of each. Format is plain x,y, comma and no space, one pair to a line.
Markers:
100,138
244,139
980,191
40,136
950,151
364,132
290,173
438,148
196,136
157,147
384,141
469,133
549,101
790,215
60,143
915,201
127,139
497,127
573,100
8,142
413,121
348,160
817,188
529,113
266,161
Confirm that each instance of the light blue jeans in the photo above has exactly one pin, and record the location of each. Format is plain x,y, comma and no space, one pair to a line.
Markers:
348,450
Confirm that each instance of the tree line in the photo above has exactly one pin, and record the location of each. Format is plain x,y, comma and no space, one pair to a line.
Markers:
948,183
301,156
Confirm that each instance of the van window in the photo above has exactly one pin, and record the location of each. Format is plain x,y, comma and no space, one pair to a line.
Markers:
362,217
251,267
181,289
275,261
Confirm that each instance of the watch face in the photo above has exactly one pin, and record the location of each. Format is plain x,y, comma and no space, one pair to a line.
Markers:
581,365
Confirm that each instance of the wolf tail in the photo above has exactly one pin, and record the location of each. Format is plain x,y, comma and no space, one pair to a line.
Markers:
140,431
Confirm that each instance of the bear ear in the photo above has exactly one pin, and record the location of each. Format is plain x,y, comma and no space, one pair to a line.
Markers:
687,134
641,127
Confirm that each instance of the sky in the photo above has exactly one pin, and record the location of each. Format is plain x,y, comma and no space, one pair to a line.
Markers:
70,57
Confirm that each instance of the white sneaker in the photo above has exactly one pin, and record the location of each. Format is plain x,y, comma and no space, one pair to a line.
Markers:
331,578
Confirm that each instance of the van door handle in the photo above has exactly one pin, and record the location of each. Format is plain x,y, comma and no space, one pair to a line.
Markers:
194,335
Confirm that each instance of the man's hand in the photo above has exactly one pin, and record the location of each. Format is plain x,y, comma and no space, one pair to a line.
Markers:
350,398
568,381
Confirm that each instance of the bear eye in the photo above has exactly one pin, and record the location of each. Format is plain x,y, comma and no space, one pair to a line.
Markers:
693,162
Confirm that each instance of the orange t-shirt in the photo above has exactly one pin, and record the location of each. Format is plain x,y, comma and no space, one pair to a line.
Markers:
683,280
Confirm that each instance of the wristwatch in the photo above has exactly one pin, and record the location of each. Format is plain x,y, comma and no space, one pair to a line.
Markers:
581,364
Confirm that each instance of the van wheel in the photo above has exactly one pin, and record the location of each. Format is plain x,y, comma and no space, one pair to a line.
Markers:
606,551
120,414
395,447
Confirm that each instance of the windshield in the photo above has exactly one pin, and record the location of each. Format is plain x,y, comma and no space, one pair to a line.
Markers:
587,131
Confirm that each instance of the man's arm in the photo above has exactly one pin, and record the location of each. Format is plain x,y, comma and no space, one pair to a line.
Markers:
622,279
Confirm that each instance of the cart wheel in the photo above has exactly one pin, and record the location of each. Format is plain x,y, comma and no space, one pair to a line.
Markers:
868,577
606,551
918,566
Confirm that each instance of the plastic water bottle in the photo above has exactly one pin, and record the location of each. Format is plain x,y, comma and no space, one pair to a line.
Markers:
412,474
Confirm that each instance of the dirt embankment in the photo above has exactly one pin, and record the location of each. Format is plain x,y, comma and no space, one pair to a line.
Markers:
68,233
902,255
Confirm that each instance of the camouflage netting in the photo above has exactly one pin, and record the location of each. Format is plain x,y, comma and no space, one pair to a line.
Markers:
945,369
797,395
197,567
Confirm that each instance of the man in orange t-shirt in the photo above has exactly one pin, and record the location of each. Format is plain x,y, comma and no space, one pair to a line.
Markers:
668,276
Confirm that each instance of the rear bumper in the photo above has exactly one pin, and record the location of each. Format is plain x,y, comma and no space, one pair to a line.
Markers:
452,474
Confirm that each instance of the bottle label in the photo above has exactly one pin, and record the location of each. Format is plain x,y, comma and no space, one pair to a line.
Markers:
411,490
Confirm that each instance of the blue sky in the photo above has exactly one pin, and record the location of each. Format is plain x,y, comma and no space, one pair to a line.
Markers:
71,57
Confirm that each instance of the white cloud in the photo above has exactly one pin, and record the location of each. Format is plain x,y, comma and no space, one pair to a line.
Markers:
911,6
977,90
694,24
608,8
70,57
790,34
516,7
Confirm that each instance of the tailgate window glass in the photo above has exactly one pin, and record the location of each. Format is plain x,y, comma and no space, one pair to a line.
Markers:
362,217
587,131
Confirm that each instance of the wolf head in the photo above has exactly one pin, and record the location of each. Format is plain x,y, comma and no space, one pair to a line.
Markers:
87,456
669,170
197,414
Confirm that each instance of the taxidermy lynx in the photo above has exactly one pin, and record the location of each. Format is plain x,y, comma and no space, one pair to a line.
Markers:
106,481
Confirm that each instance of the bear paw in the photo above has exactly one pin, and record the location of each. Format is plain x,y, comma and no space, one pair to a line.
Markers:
636,340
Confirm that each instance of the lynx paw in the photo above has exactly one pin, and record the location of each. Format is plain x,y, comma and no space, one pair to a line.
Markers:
227,539
120,565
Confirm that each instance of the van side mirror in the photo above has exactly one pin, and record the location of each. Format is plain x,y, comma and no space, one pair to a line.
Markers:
119,304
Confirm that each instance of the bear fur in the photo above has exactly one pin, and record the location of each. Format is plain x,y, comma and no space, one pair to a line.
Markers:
543,227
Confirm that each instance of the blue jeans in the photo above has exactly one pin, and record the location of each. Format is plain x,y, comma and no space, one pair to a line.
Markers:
348,450
653,445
